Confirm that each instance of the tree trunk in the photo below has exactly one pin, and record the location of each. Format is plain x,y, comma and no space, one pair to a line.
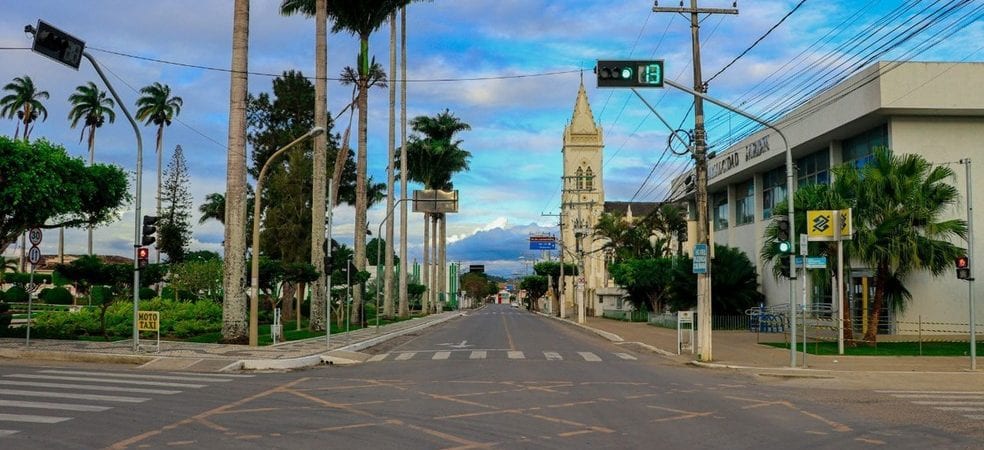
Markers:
871,335
404,311
442,268
426,272
361,202
234,326
388,269
319,187
160,155
287,302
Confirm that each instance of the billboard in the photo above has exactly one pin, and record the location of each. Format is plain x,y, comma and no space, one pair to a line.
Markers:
543,242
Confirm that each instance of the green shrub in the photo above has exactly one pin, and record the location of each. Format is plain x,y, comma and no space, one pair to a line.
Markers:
5,317
178,319
168,293
16,294
101,294
56,296
147,293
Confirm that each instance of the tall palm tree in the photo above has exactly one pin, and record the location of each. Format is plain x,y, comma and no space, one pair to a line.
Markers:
899,227
362,18
403,294
23,102
234,326
157,106
213,208
390,150
91,105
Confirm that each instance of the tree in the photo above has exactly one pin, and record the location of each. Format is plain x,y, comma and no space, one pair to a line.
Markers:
213,208
93,107
646,280
234,326
200,277
551,269
24,102
41,186
535,286
898,223
157,106
476,285
735,283
174,230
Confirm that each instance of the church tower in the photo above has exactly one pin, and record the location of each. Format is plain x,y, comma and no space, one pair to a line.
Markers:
582,202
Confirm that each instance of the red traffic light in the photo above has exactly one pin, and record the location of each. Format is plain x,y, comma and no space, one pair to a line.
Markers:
963,262
143,257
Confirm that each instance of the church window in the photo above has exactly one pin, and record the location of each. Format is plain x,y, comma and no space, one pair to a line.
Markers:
588,180
580,178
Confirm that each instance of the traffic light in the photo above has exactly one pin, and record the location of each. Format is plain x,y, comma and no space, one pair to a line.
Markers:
149,228
143,257
329,252
783,244
963,267
630,73
58,45
784,266
682,235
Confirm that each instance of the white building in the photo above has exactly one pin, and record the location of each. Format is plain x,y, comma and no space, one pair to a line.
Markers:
932,109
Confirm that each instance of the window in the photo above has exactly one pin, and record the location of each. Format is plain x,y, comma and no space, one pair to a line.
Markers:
745,202
857,150
588,180
814,168
720,211
579,177
773,190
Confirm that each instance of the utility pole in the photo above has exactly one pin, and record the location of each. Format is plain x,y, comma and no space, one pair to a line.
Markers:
704,352
560,224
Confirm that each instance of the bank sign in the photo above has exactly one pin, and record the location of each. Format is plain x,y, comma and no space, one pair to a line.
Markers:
733,161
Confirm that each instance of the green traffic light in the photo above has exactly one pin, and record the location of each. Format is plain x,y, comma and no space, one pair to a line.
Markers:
785,247
626,73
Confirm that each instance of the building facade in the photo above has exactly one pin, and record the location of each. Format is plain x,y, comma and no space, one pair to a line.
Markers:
935,110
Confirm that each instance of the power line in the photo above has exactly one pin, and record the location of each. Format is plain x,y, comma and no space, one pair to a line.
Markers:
726,66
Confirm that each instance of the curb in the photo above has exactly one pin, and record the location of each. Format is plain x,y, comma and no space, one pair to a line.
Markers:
334,357
50,355
605,334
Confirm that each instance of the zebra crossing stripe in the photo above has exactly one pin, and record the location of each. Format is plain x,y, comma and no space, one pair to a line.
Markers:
478,354
441,355
126,375
931,392
588,356
31,419
106,380
7,432
94,397
379,357
626,356
553,356
405,356
87,387
959,408
47,405
515,355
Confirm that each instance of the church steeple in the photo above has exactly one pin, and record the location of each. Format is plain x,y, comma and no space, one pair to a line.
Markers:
582,122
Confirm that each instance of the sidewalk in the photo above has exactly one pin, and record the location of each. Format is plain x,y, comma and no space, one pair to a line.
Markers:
740,350
191,356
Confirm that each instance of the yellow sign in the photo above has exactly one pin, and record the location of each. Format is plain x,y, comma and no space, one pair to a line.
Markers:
148,321
820,225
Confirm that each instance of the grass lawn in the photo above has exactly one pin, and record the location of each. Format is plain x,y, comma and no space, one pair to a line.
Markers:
889,348
291,333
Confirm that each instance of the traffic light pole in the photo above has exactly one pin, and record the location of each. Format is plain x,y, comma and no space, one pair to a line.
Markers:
136,201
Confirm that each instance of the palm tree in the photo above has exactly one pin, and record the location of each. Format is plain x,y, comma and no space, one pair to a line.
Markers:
91,105
158,107
213,208
403,294
234,327
24,102
901,200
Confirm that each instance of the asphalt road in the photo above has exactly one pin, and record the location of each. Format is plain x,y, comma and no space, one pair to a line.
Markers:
500,377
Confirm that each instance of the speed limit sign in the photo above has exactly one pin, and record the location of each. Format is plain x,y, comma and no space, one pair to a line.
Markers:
34,236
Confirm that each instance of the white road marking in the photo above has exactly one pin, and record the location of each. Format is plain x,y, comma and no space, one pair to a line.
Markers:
127,375
96,397
106,380
959,408
553,356
216,375
87,387
515,355
941,397
405,356
588,356
31,419
441,355
379,357
47,405
478,354
949,403
933,392
626,356
7,432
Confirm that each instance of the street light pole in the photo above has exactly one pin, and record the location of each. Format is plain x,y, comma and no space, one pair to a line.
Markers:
379,231
254,299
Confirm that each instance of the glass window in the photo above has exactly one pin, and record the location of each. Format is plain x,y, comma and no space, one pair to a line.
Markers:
814,168
720,211
580,178
857,150
745,202
588,180
773,190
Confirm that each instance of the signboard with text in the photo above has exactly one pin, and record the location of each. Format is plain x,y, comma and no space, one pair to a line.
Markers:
149,321
820,224
700,258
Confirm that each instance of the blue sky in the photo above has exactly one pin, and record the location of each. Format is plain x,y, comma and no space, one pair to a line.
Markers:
516,112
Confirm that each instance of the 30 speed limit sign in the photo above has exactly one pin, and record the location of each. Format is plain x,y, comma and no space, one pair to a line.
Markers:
34,235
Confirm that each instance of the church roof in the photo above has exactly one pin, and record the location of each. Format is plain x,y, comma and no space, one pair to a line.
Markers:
582,122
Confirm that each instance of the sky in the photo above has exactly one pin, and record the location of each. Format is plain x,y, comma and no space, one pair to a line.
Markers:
509,68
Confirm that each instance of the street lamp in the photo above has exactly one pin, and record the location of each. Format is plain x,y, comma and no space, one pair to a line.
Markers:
254,299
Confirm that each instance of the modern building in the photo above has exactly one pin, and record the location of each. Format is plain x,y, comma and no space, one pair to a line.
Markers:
932,109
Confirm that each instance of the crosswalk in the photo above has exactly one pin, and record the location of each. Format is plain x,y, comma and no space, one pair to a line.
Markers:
473,355
969,404
52,396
